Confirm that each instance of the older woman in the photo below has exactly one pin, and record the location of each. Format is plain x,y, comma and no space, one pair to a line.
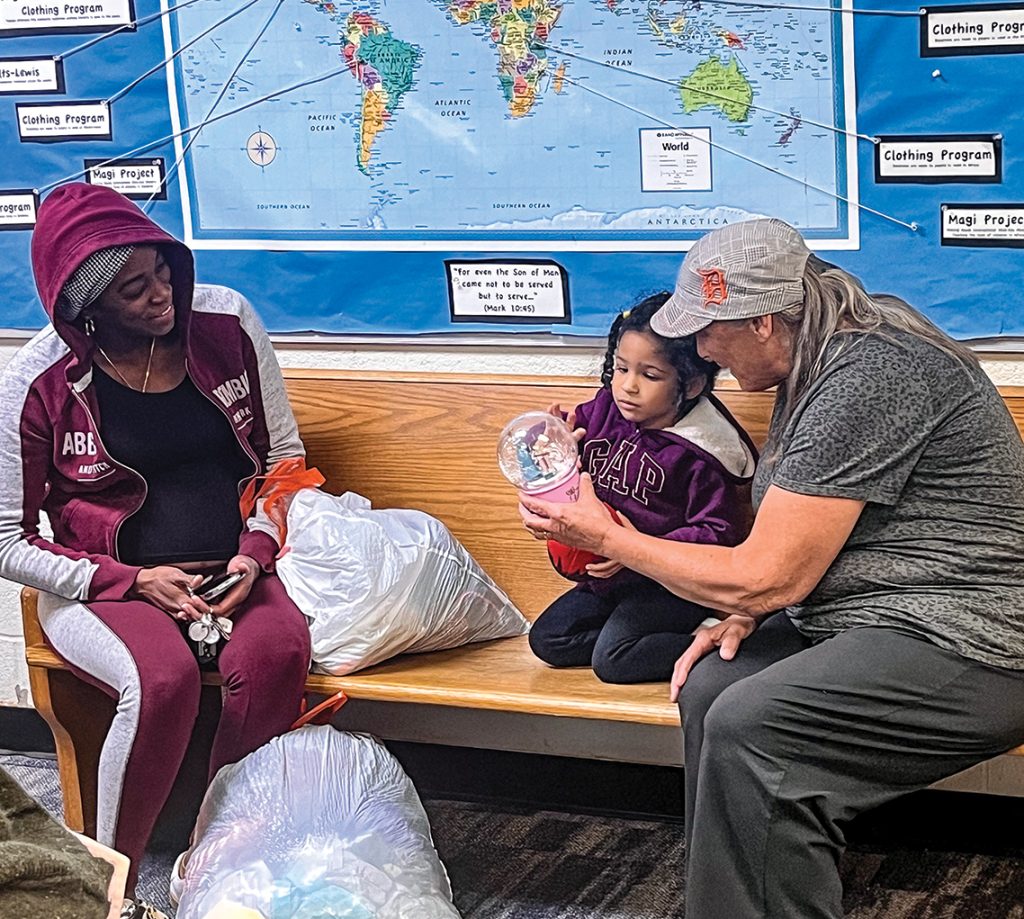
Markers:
889,532
132,422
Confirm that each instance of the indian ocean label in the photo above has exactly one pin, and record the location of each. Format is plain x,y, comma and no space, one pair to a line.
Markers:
983,225
52,122
51,17
18,208
136,179
985,28
935,158
25,75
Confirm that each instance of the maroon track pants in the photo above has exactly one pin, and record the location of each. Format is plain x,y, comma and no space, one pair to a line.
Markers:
137,654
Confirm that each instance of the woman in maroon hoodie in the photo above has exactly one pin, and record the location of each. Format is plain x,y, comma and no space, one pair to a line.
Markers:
132,422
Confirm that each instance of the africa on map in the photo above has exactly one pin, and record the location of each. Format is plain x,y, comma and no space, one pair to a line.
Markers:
475,124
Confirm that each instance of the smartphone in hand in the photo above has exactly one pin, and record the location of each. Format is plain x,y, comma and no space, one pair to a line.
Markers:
219,586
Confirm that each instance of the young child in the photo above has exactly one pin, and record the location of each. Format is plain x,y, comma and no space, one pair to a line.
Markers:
668,457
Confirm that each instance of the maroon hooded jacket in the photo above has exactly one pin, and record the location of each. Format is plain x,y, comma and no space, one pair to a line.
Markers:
52,458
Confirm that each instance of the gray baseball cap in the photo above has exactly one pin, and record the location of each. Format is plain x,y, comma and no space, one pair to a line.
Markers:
743,270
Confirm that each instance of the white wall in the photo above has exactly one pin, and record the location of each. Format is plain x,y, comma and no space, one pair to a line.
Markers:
530,355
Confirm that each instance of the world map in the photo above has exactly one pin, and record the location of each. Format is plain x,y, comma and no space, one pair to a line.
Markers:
527,123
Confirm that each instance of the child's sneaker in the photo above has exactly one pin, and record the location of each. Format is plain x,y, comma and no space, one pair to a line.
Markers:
140,909
177,885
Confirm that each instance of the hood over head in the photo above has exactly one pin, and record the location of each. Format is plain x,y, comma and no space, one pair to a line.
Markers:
77,220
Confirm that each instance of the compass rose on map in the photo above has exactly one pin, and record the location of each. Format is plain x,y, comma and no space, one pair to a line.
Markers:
261,147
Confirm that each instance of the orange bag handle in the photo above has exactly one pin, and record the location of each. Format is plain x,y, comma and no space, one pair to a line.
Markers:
281,481
322,713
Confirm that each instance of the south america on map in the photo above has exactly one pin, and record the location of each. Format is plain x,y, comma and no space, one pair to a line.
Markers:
478,122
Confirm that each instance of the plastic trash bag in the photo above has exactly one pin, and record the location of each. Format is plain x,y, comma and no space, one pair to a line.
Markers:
316,824
376,583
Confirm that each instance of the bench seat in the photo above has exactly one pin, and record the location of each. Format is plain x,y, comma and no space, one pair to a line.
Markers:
500,675
426,441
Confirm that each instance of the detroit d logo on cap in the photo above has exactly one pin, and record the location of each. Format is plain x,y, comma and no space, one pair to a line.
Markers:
712,286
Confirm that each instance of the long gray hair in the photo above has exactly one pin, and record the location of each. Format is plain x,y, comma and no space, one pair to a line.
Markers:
835,303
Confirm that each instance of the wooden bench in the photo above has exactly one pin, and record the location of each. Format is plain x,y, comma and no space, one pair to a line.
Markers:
428,442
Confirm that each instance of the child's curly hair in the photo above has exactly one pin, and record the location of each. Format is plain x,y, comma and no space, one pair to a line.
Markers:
681,353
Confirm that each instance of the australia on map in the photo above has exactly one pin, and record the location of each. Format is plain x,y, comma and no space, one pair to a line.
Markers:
483,124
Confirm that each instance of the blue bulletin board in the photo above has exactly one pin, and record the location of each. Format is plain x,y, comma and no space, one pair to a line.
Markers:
422,166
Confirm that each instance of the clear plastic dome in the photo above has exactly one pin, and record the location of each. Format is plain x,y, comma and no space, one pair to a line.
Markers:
536,451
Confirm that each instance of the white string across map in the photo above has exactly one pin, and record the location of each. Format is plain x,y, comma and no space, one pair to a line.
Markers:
349,153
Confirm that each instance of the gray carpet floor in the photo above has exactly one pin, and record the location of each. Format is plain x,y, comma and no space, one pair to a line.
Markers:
514,862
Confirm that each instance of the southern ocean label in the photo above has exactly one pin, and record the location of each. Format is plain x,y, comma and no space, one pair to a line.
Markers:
52,122
985,28
935,158
18,208
50,17
983,225
137,179
25,75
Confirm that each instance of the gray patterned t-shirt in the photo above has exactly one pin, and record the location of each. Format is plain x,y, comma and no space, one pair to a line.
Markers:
930,446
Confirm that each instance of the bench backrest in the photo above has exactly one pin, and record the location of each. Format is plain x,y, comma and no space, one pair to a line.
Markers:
428,442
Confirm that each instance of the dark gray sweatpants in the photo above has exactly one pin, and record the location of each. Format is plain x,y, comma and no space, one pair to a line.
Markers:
789,741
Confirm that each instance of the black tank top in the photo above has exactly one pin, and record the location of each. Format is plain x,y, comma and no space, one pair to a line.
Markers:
184,448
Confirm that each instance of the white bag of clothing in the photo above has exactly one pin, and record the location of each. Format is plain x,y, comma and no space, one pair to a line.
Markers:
316,824
376,583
